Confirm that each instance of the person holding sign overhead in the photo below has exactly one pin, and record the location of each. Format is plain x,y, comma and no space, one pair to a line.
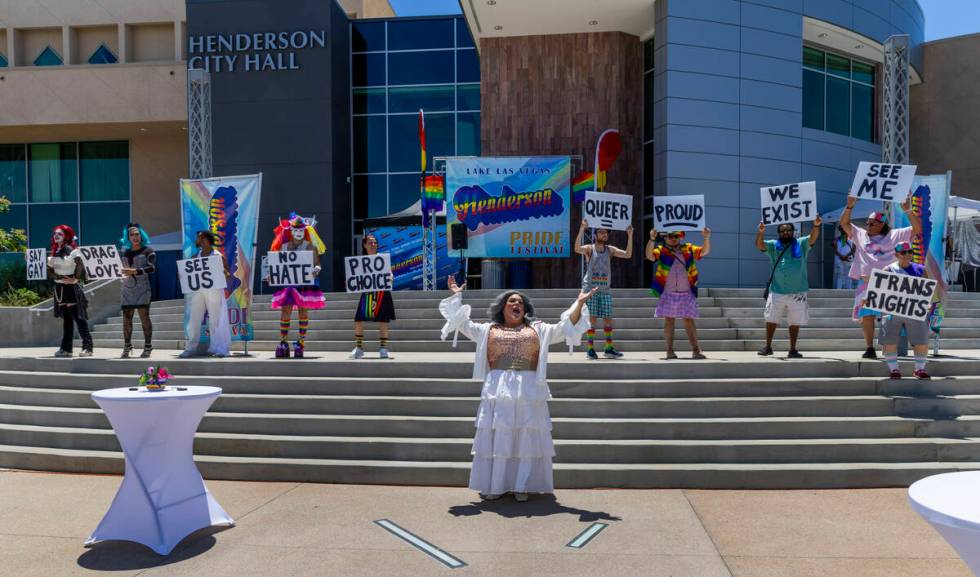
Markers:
874,249
375,307
212,302
66,268
598,267
892,325
296,235
675,282
139,261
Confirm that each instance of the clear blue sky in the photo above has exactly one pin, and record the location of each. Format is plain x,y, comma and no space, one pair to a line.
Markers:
427,7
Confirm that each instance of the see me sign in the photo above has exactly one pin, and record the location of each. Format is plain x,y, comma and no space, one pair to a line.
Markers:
880,181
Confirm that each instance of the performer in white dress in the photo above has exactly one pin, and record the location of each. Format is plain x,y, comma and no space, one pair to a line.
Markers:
512,449
211,301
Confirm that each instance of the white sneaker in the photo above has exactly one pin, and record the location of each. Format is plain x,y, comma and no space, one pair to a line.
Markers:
383,353
85,353
357,353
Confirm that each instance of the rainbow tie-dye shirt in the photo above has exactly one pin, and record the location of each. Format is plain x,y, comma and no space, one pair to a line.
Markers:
665,259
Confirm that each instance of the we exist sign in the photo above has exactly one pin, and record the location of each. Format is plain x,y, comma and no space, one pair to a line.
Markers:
368,273
101,262
290,268
886,182
678,212
36,264
606,210
204,272
789,203
900,294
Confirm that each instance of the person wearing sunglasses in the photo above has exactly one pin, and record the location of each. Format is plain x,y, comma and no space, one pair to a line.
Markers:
892,325
874,249
598,267
675,282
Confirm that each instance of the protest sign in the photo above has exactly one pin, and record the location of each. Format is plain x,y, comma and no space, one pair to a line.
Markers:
605,210
880,181
900,294
368,273
37,268
204,272
101,262
678,212
290,268
788,203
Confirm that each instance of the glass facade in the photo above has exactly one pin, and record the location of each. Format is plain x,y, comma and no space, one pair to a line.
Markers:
838,94
82,184
399,66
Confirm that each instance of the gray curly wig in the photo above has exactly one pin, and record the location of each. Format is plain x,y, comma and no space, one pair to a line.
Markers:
496,310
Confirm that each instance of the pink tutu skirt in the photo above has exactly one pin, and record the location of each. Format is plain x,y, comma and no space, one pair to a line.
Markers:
307,297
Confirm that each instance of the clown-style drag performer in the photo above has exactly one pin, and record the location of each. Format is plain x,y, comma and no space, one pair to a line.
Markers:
295,234
512,449
67,270
374,307
139,261
211,301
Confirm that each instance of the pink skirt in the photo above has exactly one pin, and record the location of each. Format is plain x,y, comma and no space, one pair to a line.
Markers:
677,306
307,297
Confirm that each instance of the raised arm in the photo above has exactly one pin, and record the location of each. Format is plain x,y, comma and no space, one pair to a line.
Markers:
457,315
815,231
759,242
707,242
914,219
628,253
845,216
651,245
579,247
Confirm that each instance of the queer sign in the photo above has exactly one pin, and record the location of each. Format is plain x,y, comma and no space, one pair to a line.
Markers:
789,203
900,294
879,181
290,268
678,212
36,264
605,210
203,272
368,273
101,262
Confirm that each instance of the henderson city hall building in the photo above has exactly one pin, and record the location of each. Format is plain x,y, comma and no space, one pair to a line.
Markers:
713,97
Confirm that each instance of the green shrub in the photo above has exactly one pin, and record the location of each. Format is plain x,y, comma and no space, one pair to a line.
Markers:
20,297
13,276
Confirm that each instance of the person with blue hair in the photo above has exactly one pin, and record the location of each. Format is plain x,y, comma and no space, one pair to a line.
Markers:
139,261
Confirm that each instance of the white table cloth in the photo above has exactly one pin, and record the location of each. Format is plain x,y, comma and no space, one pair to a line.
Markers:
950,502
162,498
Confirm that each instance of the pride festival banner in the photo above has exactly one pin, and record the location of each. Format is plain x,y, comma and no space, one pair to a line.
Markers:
404,244
228,206
512,207
930,197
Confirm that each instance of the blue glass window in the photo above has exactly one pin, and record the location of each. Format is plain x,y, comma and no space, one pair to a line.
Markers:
3,61
104,170
427,98
368,100
838,105
463,37
813,93
13,172
838,94
53,172
433,67
467,66
403,191
16,218
468,97
367,36
370,195
102,55
43,219
368,69
48,57
862,111
370,147
102,222
403,136
468,134
420,34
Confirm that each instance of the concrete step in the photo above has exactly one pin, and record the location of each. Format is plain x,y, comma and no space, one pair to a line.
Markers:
962,306
854,331
173,314
842,323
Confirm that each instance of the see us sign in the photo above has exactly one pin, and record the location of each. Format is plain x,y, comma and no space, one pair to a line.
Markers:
885,182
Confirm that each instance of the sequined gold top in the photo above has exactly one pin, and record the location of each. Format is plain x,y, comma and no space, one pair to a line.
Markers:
515,349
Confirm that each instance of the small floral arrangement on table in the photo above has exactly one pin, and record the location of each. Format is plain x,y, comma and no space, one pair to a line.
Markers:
155,378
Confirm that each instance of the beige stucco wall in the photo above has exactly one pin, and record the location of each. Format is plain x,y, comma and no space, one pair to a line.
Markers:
945,124
85,40
367,8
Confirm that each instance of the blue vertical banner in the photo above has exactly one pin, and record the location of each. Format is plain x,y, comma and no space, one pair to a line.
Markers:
227,206
930,197
404,244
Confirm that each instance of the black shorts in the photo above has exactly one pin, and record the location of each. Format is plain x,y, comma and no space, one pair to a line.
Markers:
375,307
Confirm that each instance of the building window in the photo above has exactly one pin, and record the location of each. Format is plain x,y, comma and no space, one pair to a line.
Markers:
102,55
3,61
838,94
48,57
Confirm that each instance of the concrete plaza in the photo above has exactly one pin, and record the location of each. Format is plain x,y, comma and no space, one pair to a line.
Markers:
286,529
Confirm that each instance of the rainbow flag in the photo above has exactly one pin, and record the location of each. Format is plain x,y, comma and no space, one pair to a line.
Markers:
422,137
583,182
433,194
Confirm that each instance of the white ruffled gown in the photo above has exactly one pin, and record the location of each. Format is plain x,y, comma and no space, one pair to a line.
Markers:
512,449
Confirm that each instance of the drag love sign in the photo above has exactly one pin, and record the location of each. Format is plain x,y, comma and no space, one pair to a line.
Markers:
290,268
204,272
101,262
789,203
885,182
678,212
900,294
605,210
36,264
368,273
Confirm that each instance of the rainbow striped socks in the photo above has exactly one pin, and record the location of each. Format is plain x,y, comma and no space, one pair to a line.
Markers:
608,332
304,325
590,335
284,329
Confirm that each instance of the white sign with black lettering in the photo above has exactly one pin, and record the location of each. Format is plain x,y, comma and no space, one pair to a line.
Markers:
37,268
886,182
101,262
789,203
290,268
900,294
678,212
368,273
203,272
606,210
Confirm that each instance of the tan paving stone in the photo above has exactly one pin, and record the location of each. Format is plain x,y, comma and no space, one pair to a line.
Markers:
830,567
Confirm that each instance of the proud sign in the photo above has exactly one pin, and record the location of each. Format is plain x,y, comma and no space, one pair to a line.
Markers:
36,264
290,268
368,273
678,212
204,272
789,203
605,210
900,294
101,262
879,181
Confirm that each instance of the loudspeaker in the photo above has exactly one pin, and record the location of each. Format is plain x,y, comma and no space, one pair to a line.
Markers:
458,232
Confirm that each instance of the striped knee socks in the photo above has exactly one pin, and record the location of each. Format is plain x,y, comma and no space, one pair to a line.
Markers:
359,341
284,329
891,359
590,335
304,325
608,332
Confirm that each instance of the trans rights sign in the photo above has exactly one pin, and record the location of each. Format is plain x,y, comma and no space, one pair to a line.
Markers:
404,244
512,207
228,207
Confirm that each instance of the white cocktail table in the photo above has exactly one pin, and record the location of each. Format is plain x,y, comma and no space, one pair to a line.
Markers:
162,498
950,502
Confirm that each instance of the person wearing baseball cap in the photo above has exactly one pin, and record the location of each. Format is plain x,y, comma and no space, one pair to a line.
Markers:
892,325
874,249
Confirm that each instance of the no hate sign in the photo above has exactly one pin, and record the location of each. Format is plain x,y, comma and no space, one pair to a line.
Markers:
788,203
605,210
368,273
290,268
886,182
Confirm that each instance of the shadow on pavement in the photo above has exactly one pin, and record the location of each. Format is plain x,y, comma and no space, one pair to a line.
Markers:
127,555
536,506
